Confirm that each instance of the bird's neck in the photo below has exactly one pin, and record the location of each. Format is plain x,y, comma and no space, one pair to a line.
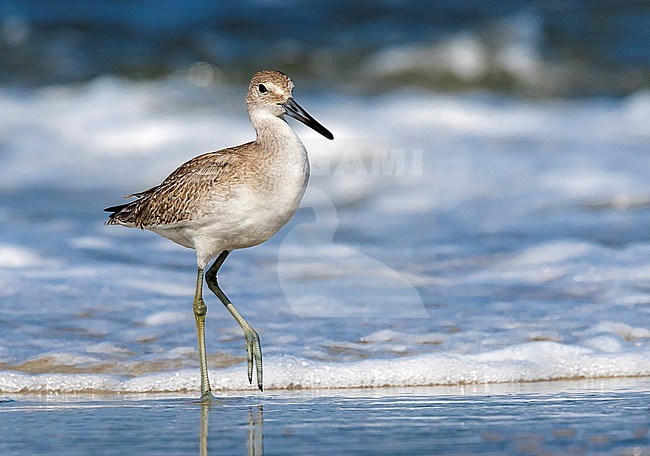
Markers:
274,133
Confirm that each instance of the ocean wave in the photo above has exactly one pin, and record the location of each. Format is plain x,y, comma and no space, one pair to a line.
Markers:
535,50
530,362
515,228
78,132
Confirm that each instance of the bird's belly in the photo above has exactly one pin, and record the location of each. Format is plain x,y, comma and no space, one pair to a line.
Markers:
251,223
249,216
231,230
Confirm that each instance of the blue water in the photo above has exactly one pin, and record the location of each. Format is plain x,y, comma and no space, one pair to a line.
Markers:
596,418
481,216
444,239
534,48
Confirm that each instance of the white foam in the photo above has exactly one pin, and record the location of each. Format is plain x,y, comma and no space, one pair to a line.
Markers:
12,256
90,242
85,128
527,362
622,330
545,180
552,252
163,318
164,288
388,335
470,56
605,344
75,133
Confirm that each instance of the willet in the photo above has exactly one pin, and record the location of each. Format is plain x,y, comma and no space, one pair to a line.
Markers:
231,199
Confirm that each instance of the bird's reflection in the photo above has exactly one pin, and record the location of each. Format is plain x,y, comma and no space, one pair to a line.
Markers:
255,431
255,440
203,435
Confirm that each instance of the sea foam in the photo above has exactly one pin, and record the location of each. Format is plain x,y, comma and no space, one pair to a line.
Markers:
535,361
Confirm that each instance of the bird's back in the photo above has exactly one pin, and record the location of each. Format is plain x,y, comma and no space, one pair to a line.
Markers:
181,197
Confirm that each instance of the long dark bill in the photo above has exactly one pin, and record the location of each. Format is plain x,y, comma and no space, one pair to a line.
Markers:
296,111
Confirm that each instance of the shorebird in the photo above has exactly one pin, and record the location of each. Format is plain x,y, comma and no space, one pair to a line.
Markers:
231,199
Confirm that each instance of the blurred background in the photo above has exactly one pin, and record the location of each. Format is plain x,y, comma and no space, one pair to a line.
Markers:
534,48
484,207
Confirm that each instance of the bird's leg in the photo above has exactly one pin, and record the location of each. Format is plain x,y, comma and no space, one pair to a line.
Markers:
253,347
200,309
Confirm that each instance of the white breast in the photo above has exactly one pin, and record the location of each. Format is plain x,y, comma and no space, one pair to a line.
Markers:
257,208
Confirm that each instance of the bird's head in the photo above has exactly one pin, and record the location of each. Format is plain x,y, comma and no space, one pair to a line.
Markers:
270,94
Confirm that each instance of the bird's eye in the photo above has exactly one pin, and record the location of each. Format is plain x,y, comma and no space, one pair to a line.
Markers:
262,88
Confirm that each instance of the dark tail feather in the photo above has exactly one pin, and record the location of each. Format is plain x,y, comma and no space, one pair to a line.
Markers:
124,213
116,209
120,214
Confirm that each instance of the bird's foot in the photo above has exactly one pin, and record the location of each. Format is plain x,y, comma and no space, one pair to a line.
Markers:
207,397
254,352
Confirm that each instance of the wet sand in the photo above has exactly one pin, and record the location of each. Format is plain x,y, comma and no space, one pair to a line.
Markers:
580,417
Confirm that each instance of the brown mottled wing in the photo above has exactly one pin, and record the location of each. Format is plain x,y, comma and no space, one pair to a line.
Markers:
178,198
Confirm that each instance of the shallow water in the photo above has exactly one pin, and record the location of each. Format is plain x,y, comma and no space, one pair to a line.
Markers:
590,417
453,253
444,239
